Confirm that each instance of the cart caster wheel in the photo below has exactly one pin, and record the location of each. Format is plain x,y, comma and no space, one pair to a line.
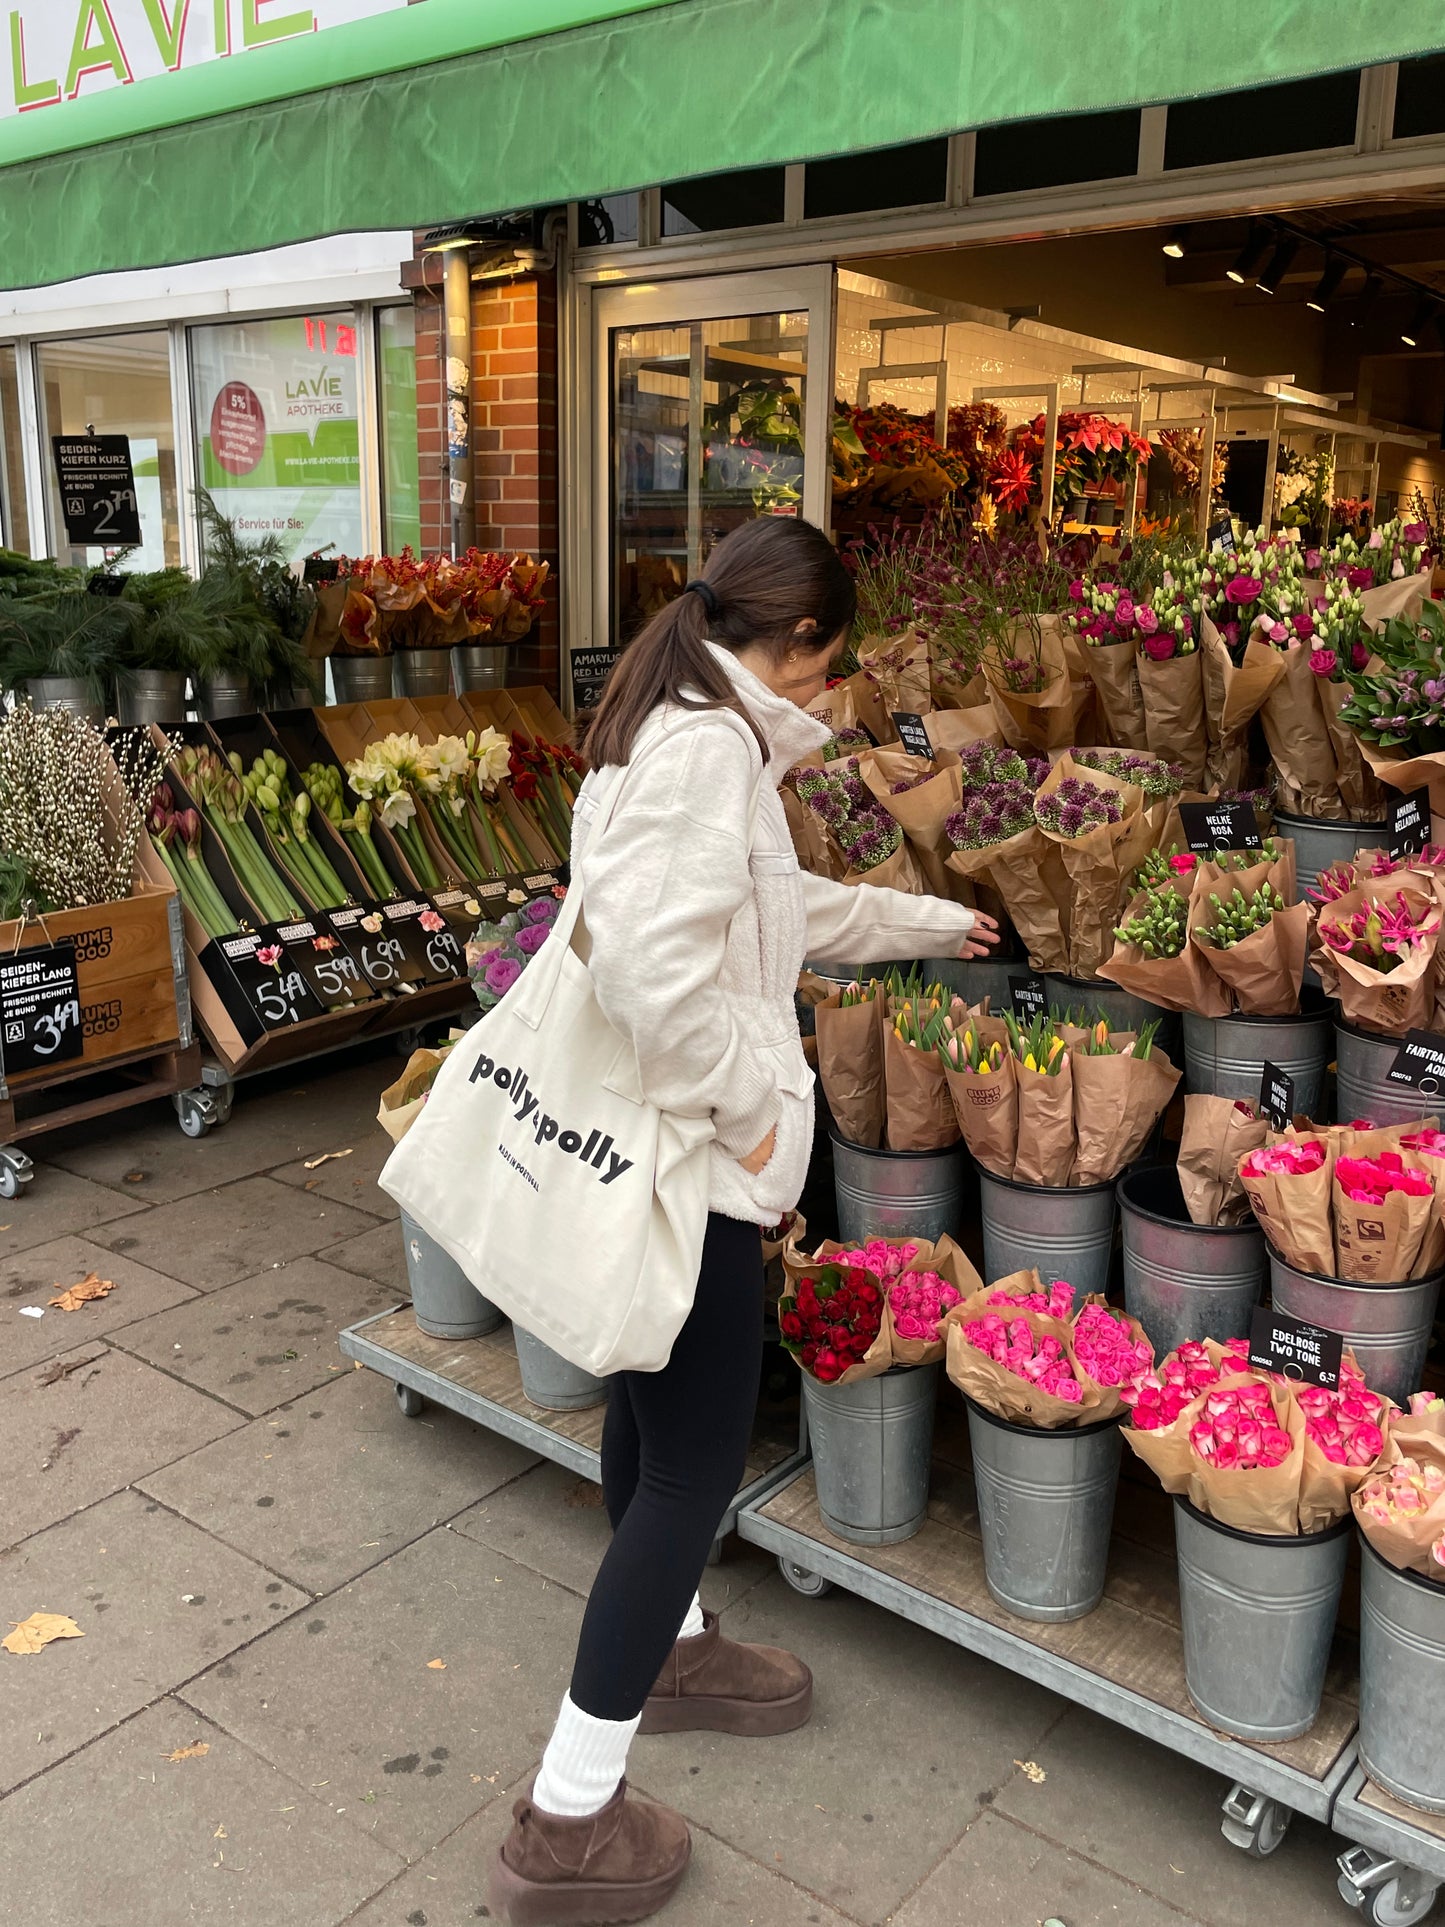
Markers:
1398,1903
1254,1823
15,1171
812,1585
196,1111
410,1401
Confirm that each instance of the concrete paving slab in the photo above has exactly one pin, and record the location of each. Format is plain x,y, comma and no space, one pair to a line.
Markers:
555,1522
57,1204
31,1278
352,1179
263,1340
121,1836
156,1600
908,1735
216,1237
346,1694
338,1481
1003,1874
100,1427
1153,1815
374,1254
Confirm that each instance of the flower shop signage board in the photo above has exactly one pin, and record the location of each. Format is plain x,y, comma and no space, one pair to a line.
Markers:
1409,820
1420,1063
1029,997
1276,1096
1306,1353
1219,826
97,490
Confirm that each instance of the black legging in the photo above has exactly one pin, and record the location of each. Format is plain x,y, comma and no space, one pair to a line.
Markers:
673,1451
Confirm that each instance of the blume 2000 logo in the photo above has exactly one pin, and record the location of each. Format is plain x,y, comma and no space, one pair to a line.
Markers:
596,1149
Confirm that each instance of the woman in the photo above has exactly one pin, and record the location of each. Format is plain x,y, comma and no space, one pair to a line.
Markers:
698,920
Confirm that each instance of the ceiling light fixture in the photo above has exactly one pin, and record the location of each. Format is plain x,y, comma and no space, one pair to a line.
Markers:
1174,246
1329,283
1247,263
1269,279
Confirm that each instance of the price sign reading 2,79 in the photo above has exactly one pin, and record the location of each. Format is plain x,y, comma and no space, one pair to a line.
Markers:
97,490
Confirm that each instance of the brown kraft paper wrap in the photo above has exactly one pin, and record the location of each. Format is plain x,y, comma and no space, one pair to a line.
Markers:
1360,789
1044,720
850,1065
1326,1489
1002,1392
1378,1244
1410,772
1117,1102
955,729
921,1116
987,1107
1045,1153
1098,864
1266,969
1232,699
1028,873
1173,693
1217,1136
812,845
1403,598
897,872
953,1267
1405,1542
921,812
1294,728
1265,1500
898,668
879,1355
1293,1210
401,1102
1386,1002
1184,982
1112,671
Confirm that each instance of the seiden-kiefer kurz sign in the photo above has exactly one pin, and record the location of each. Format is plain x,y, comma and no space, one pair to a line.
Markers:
97,489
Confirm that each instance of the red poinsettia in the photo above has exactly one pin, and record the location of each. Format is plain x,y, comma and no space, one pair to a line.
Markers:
1012,479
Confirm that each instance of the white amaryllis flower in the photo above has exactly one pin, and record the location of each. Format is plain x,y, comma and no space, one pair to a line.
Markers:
398,809
492,754
449,758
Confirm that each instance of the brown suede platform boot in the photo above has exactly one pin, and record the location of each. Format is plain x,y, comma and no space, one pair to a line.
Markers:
621,1864
711,1684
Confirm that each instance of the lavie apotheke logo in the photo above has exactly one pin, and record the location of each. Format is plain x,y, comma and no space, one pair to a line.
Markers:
596,1150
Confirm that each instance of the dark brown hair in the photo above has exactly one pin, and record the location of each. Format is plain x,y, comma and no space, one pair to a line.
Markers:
765,578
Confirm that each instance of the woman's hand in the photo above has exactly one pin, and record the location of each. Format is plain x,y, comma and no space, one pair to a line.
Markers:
981,939
758,1157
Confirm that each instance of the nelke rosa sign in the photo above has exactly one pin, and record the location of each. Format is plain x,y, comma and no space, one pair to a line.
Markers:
63,50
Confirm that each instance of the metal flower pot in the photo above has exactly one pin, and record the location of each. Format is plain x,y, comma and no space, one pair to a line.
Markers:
1226,1056
1067,1233
1321,841
446,1302
843,973
228,695
481,665
1258,1613
1386,1326
551,1381
1402,1662
1183,1280
975,978
1045,1509
66,692
361,679
1362,1084
423,672
872,1446
153,696
1100,998
897,1194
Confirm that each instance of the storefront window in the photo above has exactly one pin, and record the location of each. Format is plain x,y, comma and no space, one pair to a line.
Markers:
1420,98
909,176
401,475
276,419
117,385
753,197
1296,117
1053,153
16,533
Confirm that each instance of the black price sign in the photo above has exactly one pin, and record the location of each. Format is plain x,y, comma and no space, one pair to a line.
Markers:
422,932
97,490
1028,997
911,733
1276,1096
499,895
1219,826
1420,1063
325,959
1308,1353
40,1020
590,670
1221,535
383,957
270,978
1409,823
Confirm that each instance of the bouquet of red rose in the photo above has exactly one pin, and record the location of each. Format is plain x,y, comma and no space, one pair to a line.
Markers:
850,1313
833,1325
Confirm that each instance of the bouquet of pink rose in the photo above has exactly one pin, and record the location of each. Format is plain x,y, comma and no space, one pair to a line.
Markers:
1031,1355
1353,1203
1400,1506
1377,949
852,1312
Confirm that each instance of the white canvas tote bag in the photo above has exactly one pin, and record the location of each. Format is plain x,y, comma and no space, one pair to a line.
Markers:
538,1165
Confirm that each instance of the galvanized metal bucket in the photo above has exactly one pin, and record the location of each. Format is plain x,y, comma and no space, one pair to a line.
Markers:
1184,1280
66,692
153,696
1099,998
1319,842
1258,1614
1045,1510
1362,1086
843,973
481,665
550,1381
1402,1662
446,1302
897,1194
1226,1056
423,672
1386,1326
1068,1234
361,679
974,978
872,1446
218,696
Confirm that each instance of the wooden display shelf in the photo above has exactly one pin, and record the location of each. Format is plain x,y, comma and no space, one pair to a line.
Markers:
83,1090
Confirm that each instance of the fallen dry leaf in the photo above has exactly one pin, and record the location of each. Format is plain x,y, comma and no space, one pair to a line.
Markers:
311,1184
134,1177
436,1666
325,1158
31,1634
1031,1770
74,1296
196,1752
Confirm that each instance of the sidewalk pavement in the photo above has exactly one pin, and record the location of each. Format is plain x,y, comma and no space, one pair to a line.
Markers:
356,1627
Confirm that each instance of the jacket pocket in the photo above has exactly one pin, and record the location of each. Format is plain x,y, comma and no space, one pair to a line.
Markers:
777,1187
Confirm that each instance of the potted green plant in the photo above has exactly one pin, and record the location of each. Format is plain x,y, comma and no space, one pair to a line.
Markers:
65,648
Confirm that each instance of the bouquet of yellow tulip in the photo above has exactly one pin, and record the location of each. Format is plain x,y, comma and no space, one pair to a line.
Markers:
978,1067
920,1113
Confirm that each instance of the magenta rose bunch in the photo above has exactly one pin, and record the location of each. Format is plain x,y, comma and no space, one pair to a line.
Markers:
918,1301
1038,1358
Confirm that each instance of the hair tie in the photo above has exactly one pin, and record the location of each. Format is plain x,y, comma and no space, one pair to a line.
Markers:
706,595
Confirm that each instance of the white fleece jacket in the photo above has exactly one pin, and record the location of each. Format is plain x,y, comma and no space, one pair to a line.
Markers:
698,929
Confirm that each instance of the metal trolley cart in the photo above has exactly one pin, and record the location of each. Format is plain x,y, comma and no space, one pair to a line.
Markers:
1397,1865
1124,1660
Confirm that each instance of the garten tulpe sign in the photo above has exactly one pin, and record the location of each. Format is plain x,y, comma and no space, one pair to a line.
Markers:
64,50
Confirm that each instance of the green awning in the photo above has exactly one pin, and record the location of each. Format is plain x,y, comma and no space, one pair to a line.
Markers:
457,108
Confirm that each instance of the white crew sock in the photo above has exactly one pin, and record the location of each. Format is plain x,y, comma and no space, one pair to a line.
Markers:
693,1624
584,1761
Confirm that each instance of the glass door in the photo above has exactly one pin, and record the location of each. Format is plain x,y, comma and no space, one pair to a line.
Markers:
714,415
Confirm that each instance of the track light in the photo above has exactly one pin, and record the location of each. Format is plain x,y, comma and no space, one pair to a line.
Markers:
1329,283
1174,247
1414,332
1246,266
1286,248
